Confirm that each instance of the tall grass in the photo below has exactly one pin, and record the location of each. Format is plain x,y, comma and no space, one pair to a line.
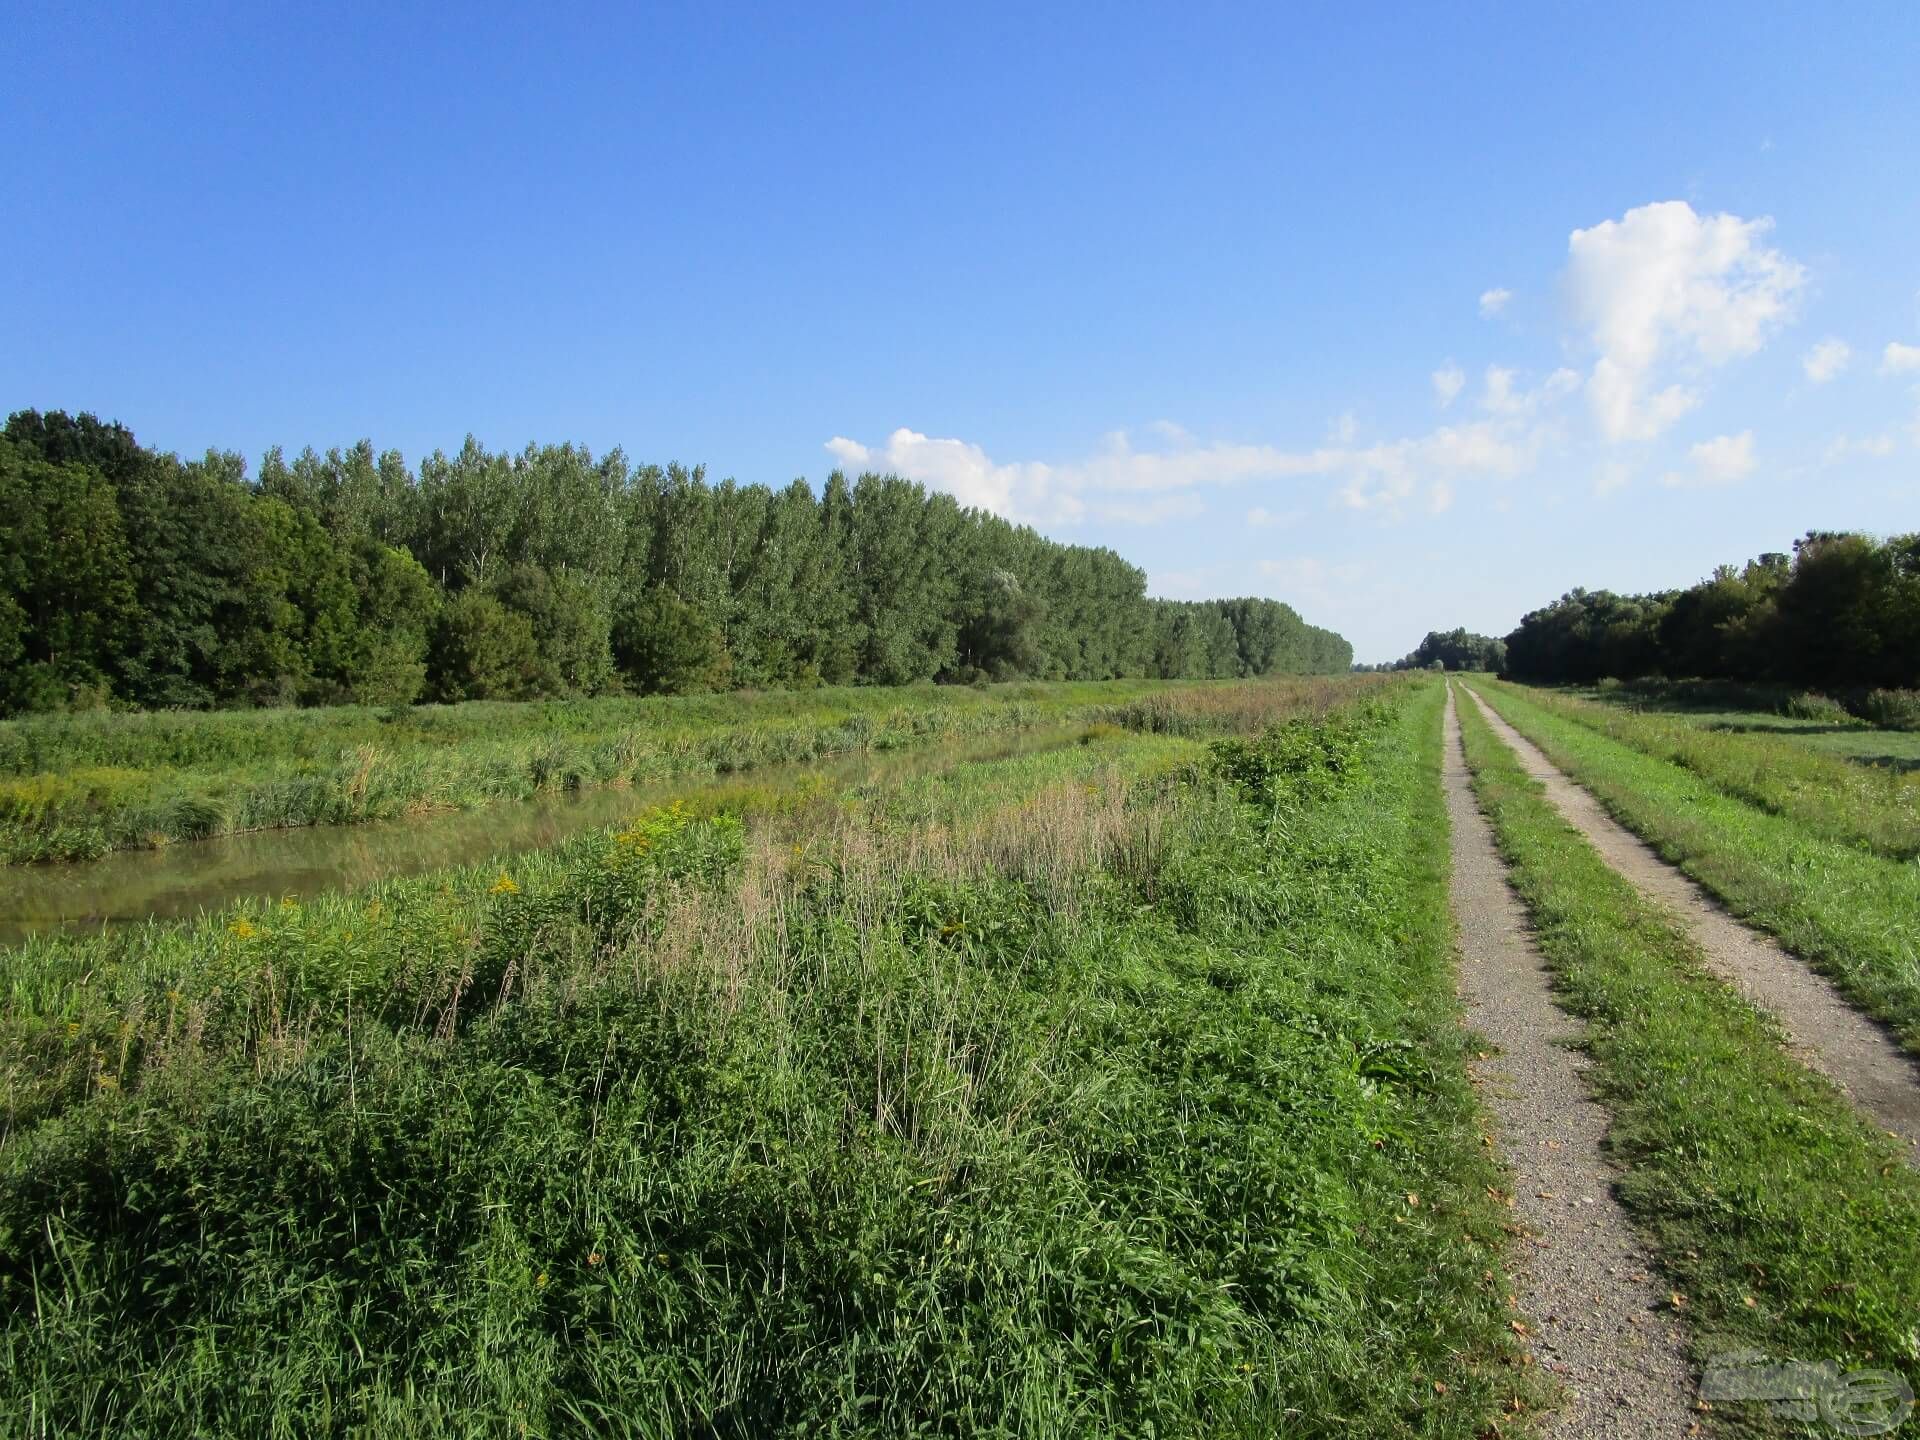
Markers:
103,784
1084,1095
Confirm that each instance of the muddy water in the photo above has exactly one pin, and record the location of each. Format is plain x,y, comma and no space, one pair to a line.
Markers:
183,880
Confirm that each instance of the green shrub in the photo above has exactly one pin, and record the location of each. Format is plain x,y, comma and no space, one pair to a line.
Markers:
1892,709
1812,705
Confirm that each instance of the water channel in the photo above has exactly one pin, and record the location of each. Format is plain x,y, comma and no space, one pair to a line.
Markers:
182,880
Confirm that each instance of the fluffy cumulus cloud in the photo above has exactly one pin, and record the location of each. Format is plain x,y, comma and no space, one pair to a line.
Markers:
1826,360
1667,294
1723,460
1448,382
1492,302
1898,359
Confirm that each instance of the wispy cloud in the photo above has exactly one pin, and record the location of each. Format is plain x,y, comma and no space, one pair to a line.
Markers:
1386,476
1492,302
1448,381
1826,360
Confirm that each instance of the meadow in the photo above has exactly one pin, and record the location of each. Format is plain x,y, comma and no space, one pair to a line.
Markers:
77,787
1113,1089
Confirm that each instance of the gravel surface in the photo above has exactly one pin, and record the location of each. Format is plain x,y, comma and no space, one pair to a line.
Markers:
1823,1031
1595,1315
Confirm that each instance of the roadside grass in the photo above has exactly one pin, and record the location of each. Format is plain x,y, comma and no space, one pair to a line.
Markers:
1853,914
1088,1094
77,787
1769,766
1783,1222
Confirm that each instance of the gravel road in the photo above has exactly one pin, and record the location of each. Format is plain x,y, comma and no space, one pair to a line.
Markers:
1823,1031
1592,1309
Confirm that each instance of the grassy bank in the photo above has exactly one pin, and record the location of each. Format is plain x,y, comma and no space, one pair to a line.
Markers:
1876,807
1087,1094
1852,913
78,787
1783,1222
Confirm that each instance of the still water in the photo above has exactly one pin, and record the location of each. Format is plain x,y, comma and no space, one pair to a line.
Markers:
183,880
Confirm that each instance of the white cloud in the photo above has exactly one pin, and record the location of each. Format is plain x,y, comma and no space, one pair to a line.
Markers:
1897,359
1501,398
1492,302
1826,360
1448,382
1664,286
1870,447
1384,476
1723,460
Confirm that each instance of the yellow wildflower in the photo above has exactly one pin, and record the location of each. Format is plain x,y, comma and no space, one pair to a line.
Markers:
243,929
503,886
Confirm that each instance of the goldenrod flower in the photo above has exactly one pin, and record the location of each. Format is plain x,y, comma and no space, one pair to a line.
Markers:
503,886
243,929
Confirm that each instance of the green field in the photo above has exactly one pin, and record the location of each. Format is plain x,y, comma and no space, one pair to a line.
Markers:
82,786
1713,708
1109,1086
1109,1090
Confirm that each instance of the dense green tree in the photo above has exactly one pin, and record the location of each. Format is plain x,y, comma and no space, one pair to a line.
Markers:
67,601
1456,649
665,647
572,627
344,576
1843,613
483,651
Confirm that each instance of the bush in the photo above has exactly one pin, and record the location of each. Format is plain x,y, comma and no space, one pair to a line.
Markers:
1812,705
1892,709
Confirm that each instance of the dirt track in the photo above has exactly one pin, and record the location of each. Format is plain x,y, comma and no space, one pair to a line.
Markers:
1593,1309
1823,1031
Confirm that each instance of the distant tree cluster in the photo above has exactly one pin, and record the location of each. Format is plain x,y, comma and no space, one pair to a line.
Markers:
1843,612
1454,650
128,576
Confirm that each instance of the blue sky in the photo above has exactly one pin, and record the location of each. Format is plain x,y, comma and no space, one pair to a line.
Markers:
1218,286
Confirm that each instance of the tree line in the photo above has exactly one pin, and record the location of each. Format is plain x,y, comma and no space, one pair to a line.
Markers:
131,577
1841,613
1455,649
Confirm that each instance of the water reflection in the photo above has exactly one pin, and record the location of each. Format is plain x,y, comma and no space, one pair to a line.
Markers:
184,880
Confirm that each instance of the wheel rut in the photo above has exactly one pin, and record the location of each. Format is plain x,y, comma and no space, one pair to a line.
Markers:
1823,1031
1597,1317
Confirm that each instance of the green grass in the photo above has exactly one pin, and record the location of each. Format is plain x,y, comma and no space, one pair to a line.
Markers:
1081,1095
1782,1221
1760,710
1852,913
80,787
1768,762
